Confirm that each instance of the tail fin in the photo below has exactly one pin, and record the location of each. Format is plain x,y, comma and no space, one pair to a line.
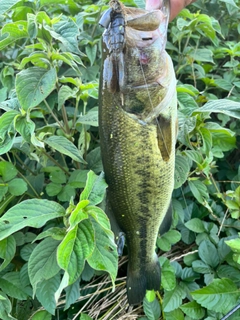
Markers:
148,277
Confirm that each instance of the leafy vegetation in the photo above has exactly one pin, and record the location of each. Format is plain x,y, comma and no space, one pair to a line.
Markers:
58,259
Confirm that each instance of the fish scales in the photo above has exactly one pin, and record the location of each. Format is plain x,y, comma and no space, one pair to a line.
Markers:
137,127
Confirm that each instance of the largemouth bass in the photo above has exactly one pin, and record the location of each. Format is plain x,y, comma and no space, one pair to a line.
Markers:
138,125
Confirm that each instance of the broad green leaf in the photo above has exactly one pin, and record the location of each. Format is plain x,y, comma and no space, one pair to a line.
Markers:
91,52
94,190
152,309
42,264
53,189
29,213
65,146
91,118
231,2
173,299
78,178
11,284
66,194
104,256
33,85
229,107
78,213
189,275
55,232
203,55
45,293
72,294
5,307
6,123
187,103
94,160
25,127
201,267
41,315
58,176
66,31
199,190
181,170
195,225
17,187
100,216
5,5
193,310
220,296
7,171
208,253
12,32
64,94
168,277
226,271
169,238
7,251
174,315
75,248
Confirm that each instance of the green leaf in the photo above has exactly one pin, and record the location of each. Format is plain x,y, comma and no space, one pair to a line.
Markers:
53,189
17,187
7,251
72,294
220,296
168,278
42,264
231,2
64,94
75,248
195,225
33,85
104,256
203,55
45,293
208,253
228,107
173,299
5,307
91,118
226,271
41,315
78,214
199,190
181,170
91,52
193,310
152,309
5,5
55,232
174,315
6,123
66,31
7,171
63,145
12,32
201,267
94,190
11,284
165,241
29,213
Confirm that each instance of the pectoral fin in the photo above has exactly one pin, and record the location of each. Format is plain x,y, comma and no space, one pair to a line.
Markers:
164,136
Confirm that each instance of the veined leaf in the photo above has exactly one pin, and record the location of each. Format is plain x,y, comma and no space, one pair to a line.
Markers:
29,213
94,190
33,85
220,296
173,299
229,107
11,32
7,251
199,190
181,170
208,253
104,256
63,145
42,264
193,310
75,248
11,284
41,315
5,5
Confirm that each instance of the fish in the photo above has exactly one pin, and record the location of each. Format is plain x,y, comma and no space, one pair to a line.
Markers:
138,130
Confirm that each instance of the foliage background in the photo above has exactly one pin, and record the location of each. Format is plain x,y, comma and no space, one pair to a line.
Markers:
56,248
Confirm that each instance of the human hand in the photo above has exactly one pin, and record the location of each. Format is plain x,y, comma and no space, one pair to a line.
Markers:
175,6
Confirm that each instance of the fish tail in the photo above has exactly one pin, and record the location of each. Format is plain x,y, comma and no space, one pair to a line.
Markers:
139,281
